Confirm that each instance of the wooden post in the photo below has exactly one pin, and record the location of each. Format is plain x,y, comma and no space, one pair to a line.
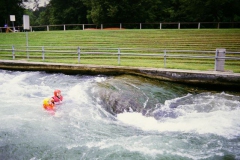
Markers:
179,25
64,27
199,25
160,25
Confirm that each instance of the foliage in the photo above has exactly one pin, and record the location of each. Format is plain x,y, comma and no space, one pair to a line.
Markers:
65,12
11,7
124,11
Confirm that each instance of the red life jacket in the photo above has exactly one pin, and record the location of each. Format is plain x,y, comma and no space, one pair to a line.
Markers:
57,98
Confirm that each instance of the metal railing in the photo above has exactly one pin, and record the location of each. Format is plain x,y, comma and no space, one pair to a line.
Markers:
158,25
68,52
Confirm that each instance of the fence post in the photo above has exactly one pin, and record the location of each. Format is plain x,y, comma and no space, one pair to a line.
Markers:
120,25
165,57
220,59
47,28
179,25
13,52
27,44
218,25
43,52
64,27
160,25
83,27
140,25
101,26
119,52
79,56
27,53
199,25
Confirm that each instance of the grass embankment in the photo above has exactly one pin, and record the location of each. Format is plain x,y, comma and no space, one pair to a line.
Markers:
96,40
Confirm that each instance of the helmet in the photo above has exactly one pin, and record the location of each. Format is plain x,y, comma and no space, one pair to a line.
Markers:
56,92
45,101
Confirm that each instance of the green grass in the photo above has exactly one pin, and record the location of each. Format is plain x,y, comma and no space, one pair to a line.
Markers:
92,40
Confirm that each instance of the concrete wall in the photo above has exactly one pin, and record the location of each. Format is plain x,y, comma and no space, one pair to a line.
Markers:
210,79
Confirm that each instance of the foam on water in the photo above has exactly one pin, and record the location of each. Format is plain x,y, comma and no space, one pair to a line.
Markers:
82,128
221,119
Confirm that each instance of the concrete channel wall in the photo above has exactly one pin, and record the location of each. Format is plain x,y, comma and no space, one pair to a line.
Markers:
209,79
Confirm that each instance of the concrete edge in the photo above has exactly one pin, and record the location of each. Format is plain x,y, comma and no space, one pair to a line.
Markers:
224,80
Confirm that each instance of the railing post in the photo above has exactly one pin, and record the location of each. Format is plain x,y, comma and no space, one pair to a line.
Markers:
79,56
165,58
179,25
220,59
199,25
27,53
43,52
64,27
160,26
13,52
27,44
119,53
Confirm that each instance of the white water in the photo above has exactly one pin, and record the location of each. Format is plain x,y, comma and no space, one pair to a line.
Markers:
217,116
218,123
207,125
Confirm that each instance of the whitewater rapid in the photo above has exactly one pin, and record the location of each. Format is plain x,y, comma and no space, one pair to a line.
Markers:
179,124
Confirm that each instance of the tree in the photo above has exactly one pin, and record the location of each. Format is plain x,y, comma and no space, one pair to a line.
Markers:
11,7
122,11
67,12
209,10
126,11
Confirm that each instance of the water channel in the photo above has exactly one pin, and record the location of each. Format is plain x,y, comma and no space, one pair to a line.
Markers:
115,117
